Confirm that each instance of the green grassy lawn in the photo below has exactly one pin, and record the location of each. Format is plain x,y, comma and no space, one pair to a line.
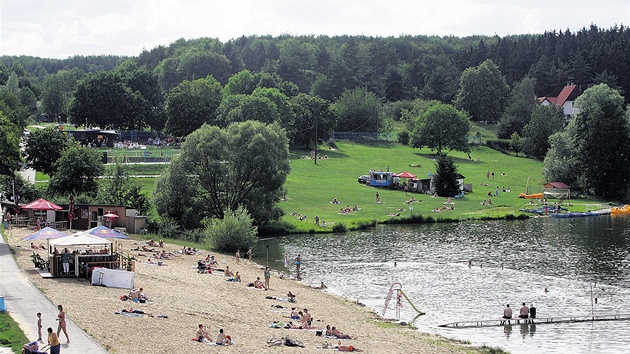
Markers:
311,186
10,333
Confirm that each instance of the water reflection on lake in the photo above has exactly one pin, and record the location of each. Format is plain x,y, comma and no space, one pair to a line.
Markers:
513,262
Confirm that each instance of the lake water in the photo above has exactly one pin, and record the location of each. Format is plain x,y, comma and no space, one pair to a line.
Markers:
570,257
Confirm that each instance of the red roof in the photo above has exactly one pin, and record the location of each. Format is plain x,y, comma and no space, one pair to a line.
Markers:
557,185
568,93
565,94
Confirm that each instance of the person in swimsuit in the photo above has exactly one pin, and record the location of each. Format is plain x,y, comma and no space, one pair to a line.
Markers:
298,261
39,326
61,317
267,277
294,314
202,333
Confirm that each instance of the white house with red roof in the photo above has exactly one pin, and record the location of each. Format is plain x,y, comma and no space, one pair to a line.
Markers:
564,100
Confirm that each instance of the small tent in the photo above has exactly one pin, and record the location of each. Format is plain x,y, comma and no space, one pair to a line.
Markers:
79,239
557,190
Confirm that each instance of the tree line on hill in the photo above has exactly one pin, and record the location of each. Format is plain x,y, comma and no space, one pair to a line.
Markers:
307,87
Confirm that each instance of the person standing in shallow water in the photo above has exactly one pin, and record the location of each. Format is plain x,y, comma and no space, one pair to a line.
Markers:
298,262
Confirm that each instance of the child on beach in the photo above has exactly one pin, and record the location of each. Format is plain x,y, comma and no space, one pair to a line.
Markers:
39,326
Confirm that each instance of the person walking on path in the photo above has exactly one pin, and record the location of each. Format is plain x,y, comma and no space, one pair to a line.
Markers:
267,277
53,341
249,254
61,317
238,256
39,326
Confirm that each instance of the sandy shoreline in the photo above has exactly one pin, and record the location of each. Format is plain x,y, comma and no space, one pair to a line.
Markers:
189,298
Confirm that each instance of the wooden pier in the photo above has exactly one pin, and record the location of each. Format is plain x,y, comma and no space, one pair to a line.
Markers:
538,320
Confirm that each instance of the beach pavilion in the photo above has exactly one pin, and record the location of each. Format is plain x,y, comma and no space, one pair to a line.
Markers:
87,251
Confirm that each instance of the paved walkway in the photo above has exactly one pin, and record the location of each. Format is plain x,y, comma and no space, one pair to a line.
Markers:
23,301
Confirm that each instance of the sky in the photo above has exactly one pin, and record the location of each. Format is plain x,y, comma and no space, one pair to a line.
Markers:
64,28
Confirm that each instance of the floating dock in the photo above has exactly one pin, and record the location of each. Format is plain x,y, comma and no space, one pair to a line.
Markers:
539,320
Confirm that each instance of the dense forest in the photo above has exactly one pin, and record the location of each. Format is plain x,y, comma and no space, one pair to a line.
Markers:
405,67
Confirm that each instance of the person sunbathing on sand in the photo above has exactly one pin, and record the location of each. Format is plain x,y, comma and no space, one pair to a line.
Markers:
228,272
292,325
321,286
131,310
147,249
202,333
236,277
335,332
166,255
347,348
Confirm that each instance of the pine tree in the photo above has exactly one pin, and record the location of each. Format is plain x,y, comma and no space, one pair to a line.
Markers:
445,179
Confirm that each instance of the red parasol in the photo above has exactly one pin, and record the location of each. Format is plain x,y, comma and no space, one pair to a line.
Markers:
405,174
42,204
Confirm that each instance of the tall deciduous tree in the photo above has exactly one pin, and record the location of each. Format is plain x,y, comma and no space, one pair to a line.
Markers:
545,121
358,111
244,164
441,127
44,147
483,92
601,140
560,163
77,171
58,89
9,147
314,119
191,104
242,83
119,189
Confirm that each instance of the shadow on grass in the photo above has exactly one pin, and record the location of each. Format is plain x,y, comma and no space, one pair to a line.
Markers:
298,154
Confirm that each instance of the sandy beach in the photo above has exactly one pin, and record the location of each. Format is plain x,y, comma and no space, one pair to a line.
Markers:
189,298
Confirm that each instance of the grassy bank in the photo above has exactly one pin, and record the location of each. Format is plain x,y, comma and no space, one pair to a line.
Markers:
311,187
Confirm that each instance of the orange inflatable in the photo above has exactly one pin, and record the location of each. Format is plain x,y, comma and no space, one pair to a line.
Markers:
623,210
532,196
